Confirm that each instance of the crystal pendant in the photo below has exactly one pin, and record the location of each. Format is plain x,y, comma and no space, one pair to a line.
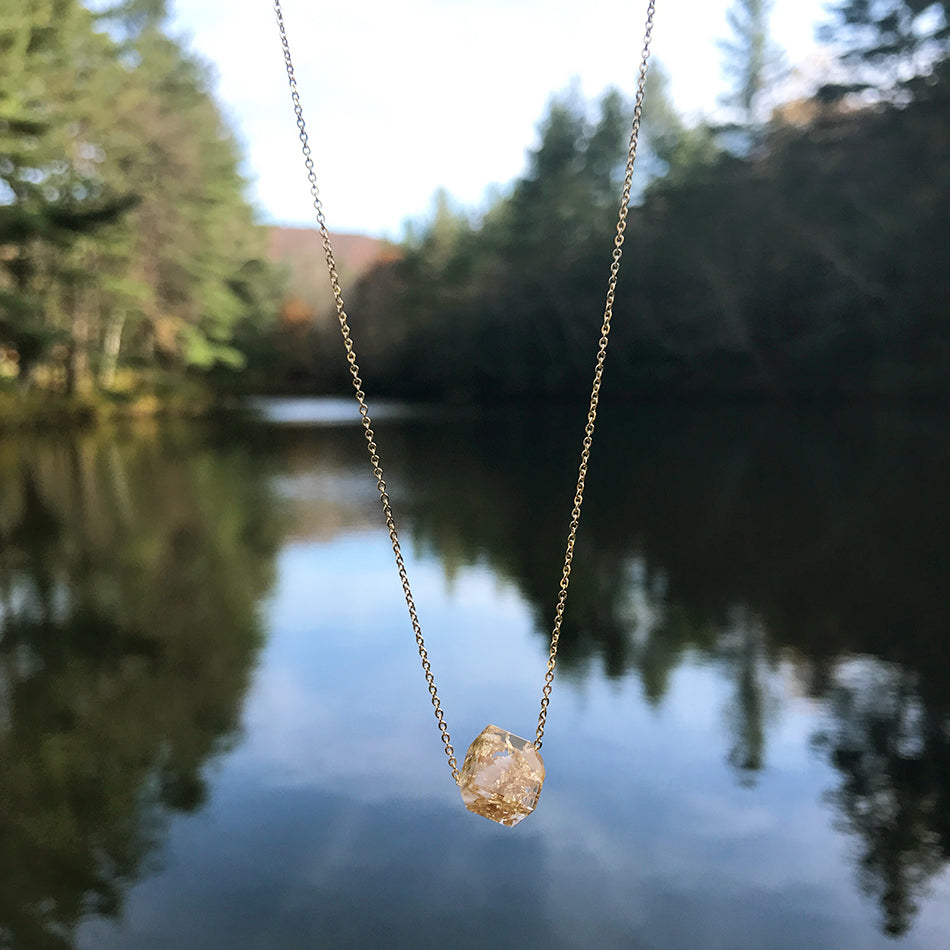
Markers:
501,776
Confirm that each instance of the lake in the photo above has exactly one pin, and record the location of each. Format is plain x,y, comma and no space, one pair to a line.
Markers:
215,732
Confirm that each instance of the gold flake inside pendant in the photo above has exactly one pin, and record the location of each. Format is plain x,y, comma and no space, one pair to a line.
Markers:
501,776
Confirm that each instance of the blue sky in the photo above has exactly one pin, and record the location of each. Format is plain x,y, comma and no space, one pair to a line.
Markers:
404,98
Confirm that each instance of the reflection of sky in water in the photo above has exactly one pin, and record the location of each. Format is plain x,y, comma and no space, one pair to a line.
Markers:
335,822
331,411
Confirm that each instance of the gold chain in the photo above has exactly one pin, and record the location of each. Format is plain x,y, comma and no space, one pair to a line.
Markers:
598,373
364,410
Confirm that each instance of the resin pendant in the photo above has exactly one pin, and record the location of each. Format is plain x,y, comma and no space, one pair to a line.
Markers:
501,776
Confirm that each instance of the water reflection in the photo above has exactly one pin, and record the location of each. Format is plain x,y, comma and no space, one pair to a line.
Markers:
754,538
783,559
130,571
892,751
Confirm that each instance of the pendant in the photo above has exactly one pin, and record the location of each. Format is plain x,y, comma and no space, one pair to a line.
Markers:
501,776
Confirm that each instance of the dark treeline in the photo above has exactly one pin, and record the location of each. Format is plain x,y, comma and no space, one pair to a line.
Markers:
797,251
752,537
800,255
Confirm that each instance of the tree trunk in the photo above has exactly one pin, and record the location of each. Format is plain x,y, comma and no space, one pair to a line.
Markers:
113,343
78,379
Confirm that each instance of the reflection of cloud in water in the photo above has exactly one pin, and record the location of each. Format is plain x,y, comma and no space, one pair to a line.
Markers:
332,411
877,688
324,504
640,817
703,861
716,816
643,608
301,740
342,715
340,702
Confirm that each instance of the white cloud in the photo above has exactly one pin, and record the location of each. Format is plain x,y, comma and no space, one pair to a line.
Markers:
404,98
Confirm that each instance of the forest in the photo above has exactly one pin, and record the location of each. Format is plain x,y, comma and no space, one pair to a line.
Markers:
796,249
129,254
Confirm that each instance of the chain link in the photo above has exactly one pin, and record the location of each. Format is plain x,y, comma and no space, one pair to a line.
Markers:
364,410
598,375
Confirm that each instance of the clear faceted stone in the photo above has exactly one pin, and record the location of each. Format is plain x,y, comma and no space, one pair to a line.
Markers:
501,776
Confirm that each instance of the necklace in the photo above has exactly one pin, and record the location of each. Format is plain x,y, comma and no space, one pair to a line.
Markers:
502,774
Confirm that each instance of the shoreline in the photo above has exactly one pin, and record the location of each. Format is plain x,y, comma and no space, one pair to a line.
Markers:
47,410
44,410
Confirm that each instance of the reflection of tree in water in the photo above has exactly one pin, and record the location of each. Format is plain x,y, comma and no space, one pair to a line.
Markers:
892,751
130,573
827,537
743,646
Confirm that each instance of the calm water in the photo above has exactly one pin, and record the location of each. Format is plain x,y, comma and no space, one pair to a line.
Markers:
214,732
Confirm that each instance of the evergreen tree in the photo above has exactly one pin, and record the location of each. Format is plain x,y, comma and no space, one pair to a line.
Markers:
670,150
51,68
897,47
124,227
751,59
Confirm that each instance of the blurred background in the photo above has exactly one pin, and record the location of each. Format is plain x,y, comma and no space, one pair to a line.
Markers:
213,728
788,239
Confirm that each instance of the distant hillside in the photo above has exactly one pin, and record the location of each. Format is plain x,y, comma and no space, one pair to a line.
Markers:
301,250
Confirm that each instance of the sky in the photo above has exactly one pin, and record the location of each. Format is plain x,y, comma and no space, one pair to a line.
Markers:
401,99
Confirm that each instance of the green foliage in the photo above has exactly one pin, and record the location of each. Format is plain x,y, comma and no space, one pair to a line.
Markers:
125,236
894,48
501,296
815,267
130,576
50,194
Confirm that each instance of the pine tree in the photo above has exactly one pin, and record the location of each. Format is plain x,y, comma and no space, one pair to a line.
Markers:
124,228
899,48
751,60
50,194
